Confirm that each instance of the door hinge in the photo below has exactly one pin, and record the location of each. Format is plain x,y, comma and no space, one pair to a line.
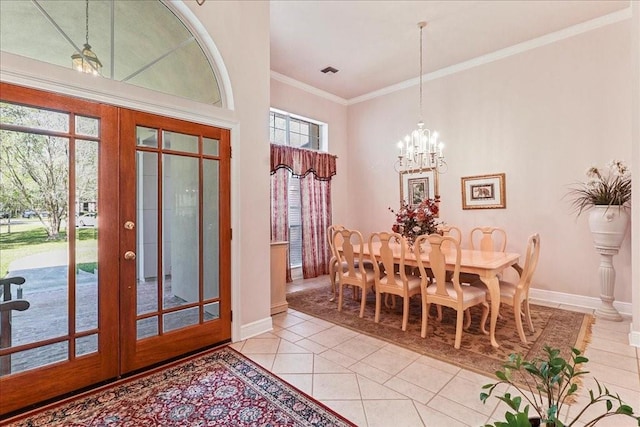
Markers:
232,315
231,234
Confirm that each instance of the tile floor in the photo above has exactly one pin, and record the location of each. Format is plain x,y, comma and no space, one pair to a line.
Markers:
374,383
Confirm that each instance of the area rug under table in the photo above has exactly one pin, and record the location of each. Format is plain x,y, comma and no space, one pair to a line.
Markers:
557,328
217,388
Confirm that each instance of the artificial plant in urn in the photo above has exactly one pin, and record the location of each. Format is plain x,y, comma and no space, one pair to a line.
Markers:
603,187
549,384
607,194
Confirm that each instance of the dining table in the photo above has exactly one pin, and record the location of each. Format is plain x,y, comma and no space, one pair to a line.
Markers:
487,265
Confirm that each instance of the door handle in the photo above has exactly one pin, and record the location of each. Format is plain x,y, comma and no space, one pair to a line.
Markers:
129,225
129,255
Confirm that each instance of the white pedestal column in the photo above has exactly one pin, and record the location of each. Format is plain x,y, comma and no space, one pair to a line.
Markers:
607,285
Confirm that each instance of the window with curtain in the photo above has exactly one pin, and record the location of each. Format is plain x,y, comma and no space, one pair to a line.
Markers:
295,131
301,199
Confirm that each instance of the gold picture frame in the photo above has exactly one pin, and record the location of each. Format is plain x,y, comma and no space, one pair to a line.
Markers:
417,185
484,191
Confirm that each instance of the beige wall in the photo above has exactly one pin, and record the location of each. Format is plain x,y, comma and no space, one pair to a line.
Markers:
542,116
240,30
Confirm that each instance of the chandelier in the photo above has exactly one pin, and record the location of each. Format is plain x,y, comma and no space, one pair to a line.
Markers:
421,150
87,61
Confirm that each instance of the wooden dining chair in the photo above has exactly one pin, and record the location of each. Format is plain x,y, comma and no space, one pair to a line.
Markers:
488,239
443,292
352,271
333,262
517,294
390,280
452,231
485,239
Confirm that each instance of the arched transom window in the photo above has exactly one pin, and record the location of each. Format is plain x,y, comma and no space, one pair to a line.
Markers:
137,42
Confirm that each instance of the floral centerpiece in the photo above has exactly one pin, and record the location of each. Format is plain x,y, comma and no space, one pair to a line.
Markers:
611,187
412,222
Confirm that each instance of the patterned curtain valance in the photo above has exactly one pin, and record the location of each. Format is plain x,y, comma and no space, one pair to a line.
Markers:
303,162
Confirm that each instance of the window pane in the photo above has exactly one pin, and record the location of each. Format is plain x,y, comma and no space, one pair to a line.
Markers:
86,345
147,232
181,318
280,137
212,311
180,229
210,147
87,126
86,224
179,142
211,235
146,136
294,140
281,122
34,118
147,327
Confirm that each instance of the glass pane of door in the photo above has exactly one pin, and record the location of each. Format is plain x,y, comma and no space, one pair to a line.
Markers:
34,244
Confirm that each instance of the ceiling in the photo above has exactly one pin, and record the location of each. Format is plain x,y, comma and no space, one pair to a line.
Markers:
375,44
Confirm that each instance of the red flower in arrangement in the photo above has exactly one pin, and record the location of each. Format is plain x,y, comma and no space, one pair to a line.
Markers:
412,222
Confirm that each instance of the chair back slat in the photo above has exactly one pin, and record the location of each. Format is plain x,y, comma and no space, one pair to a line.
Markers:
530,261
488,239
451,231
389,244
349,240
437,261
331,231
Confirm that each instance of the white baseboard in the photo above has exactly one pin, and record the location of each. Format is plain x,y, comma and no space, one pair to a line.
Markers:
577,300
255,328
634,338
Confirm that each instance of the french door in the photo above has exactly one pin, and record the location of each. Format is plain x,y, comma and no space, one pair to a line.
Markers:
123,242
175,218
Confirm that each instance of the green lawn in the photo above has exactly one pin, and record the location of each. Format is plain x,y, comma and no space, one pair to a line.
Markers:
30,237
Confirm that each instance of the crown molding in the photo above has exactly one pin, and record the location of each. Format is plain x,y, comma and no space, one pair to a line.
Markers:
516,49
307,88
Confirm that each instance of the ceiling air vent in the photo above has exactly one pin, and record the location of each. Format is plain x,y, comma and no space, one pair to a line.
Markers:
329,70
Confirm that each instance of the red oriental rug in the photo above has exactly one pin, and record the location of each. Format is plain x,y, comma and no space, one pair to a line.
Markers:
219,387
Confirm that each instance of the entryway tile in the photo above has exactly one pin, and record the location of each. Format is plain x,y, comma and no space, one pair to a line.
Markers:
396,413
293,363
335,386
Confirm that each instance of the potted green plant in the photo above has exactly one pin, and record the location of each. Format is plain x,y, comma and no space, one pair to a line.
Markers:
550,381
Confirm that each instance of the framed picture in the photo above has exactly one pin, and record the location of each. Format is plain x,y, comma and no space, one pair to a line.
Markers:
484,192
416,186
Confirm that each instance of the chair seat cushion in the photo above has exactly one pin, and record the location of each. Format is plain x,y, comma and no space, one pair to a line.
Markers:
507,289
412,281
469,293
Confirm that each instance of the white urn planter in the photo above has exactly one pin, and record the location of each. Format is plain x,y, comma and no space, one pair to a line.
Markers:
608,225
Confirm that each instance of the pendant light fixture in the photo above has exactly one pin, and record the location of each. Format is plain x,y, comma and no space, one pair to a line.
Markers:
87,61
421,150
